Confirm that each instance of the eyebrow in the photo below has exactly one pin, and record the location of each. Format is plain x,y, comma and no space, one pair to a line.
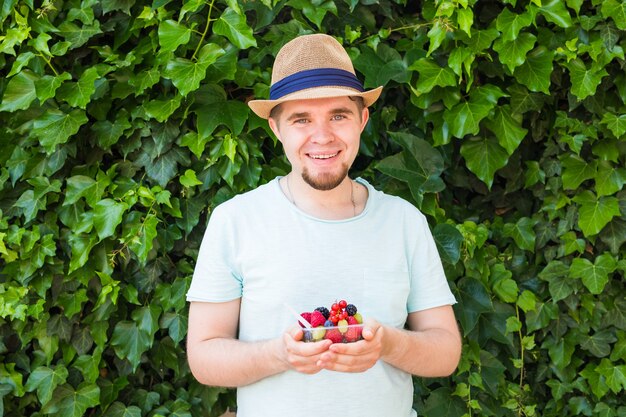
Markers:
333,112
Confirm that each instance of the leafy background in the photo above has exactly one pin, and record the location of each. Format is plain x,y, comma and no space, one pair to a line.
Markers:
123,123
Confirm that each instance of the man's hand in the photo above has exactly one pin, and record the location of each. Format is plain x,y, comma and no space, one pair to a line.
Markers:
358,356
300,356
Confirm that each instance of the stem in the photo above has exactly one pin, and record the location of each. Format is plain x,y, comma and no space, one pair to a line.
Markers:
206,30
49,64
521,371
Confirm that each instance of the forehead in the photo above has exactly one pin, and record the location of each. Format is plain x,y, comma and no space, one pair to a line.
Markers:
318,106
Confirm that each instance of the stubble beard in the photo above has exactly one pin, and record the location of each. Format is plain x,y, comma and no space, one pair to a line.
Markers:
325,181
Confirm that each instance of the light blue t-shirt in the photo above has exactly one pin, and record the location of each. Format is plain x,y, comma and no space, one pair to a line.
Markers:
261,248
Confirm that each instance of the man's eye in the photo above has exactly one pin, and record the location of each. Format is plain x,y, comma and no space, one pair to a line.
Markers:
300,121
339,117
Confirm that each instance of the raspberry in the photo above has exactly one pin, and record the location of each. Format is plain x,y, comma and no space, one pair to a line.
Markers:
317,319
351,309
352,320
324,311
306,316
334,335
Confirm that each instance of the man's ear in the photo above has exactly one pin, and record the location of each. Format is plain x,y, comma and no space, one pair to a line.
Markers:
274,126
365,116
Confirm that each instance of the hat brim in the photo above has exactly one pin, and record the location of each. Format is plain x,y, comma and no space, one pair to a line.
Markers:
263,108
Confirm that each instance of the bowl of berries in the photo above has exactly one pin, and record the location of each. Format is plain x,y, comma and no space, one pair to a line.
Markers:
342,323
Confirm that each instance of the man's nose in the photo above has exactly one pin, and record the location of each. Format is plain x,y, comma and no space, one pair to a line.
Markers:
322,133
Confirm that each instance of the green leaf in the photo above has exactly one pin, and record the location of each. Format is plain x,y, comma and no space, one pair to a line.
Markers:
112,5
535,72
118,409
614,234
20,92
107,216
161,110
45,380
186,75
484,157
615,375
195,143
79,94
599,344
522,232
437,34
78,36
555,11
234,27
441,402
432,75
513,53
595,213
55,127
615,10
81,246
609,180
507,127
584,81
449,241
473,300
616,124
465,117
73,403
562,350
215,110
46,86
510,24
172,34
381,66
130,342
576,171
594,276
107,133
465,19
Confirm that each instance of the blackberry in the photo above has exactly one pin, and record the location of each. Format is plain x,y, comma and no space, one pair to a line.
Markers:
351,309
324,312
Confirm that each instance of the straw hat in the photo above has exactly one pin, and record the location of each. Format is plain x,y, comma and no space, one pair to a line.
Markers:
312,66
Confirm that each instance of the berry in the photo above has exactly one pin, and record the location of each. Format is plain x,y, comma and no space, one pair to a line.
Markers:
317,319
308,337
351,309
328,323
334,335
343,326
353,334
343,304
352,320
358,318
306,316
324,311
318,333
334,307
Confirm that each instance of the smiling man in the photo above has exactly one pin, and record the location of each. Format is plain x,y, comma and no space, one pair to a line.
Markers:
307,239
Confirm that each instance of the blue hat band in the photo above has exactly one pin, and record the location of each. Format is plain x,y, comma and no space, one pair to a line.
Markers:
320,77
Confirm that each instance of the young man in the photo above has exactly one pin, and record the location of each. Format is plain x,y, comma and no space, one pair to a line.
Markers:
306,240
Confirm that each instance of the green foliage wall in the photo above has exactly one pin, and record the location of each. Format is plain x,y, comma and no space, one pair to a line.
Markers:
123,123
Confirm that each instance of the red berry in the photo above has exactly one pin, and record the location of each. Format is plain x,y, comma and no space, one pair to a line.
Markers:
343,304
344,315
334,307
317,319
334,335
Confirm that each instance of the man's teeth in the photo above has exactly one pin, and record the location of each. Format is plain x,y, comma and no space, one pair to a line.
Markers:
326,156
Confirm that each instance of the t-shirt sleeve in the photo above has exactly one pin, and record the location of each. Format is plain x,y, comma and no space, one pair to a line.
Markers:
429,286
215,278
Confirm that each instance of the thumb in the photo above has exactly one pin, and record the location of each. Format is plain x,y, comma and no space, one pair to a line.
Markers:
370,327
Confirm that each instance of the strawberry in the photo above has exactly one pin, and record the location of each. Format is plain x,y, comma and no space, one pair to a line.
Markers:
334,335
317,319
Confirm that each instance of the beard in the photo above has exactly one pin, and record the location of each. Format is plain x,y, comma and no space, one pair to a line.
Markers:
325,181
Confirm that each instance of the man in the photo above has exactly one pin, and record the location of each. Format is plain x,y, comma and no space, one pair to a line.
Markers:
306,240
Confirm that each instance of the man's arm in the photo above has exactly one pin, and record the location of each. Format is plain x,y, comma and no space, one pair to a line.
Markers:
431,348
217,358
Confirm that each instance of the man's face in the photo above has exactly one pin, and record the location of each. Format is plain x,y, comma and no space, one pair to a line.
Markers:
320,137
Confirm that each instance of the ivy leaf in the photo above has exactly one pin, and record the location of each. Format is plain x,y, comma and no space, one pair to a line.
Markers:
173,34
118,409
523,101
576,170
215,109
595,213
186,75
441,402
381,66
484,157
46,86
513,53
510,24
609,180
555,11
234,27
161,110
522,233
584,81
107,133
195,143
78,94
449,241
20,92
432,75
599,344
45,380
464,118
616,124
436,34
507,127
535,72
614,234
594,276
615,375
129,342
615,10
81,246
473,300
112,5
73,403
78,36
55,127
107,216
143,243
